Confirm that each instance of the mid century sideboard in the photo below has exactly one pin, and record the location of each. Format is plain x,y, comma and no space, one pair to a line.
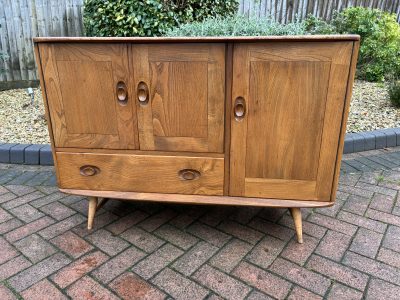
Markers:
221,120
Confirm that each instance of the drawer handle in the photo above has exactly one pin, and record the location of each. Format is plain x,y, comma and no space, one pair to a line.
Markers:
122,93
143,93
239,108
89,170
188,174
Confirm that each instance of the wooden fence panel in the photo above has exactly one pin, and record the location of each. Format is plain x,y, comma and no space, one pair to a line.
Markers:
287,10
21,20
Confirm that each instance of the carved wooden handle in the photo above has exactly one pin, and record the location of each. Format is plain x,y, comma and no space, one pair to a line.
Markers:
122,93
239,109
143,93
188,174
89,170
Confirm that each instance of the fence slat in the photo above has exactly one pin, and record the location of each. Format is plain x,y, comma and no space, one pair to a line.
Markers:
21,20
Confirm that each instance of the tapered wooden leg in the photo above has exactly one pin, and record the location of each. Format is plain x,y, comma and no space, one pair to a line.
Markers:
296,215
92,210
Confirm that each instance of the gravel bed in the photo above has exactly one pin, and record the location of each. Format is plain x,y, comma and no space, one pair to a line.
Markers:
23,123
20,121
370,108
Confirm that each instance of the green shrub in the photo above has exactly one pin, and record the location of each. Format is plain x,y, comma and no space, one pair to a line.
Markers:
316,25
379,56
186,11
148,17
394,92
238,26
380,41
126,18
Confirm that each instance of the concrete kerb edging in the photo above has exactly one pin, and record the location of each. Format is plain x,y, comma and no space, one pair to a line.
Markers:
37,154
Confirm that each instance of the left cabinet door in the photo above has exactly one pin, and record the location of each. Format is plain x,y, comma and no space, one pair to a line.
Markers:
88,95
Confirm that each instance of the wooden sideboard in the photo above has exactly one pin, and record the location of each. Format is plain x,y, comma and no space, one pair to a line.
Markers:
235,121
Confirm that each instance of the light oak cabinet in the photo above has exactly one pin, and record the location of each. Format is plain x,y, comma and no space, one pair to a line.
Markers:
236,121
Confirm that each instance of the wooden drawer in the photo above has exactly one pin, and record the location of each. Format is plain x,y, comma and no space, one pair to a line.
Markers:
141,173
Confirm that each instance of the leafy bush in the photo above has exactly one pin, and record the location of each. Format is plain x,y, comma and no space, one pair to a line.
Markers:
186,11
148,17
238,26
394,92
380,39
126,18
316,25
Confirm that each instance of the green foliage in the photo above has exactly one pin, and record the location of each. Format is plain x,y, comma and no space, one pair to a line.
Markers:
126,18
316,25
394,92
148,17
238,26
380,39
187,11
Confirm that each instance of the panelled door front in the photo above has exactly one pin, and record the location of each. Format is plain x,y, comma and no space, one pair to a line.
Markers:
180,90
288,100
88,95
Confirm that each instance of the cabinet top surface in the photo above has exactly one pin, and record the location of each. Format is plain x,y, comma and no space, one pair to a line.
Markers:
341,37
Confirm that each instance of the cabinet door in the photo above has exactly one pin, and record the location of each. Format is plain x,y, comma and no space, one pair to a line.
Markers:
287,109
88,95
180,92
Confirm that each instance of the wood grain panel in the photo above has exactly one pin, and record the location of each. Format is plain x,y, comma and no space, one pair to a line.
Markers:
46,107
334,115
280,188
177,84
295,94
346,108
140,152
79,106
185,107
81,82
141,173
240,88
286,113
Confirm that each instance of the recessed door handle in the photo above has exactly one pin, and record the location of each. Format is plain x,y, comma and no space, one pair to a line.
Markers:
122,93
143,93
239,108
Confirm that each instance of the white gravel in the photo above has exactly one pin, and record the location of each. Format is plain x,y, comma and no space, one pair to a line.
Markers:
20,121
23,123
370,108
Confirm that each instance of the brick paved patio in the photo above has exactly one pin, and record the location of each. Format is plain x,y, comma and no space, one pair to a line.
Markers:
153,251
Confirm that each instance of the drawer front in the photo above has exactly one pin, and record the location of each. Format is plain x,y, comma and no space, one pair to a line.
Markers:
141,173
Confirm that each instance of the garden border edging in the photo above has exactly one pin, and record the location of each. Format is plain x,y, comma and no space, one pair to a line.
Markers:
40,154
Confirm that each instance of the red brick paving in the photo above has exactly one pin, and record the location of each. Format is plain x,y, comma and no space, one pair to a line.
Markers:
140,250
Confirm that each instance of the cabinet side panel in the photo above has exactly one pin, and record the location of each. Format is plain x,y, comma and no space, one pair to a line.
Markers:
350,83
46,107
53,94
336,100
